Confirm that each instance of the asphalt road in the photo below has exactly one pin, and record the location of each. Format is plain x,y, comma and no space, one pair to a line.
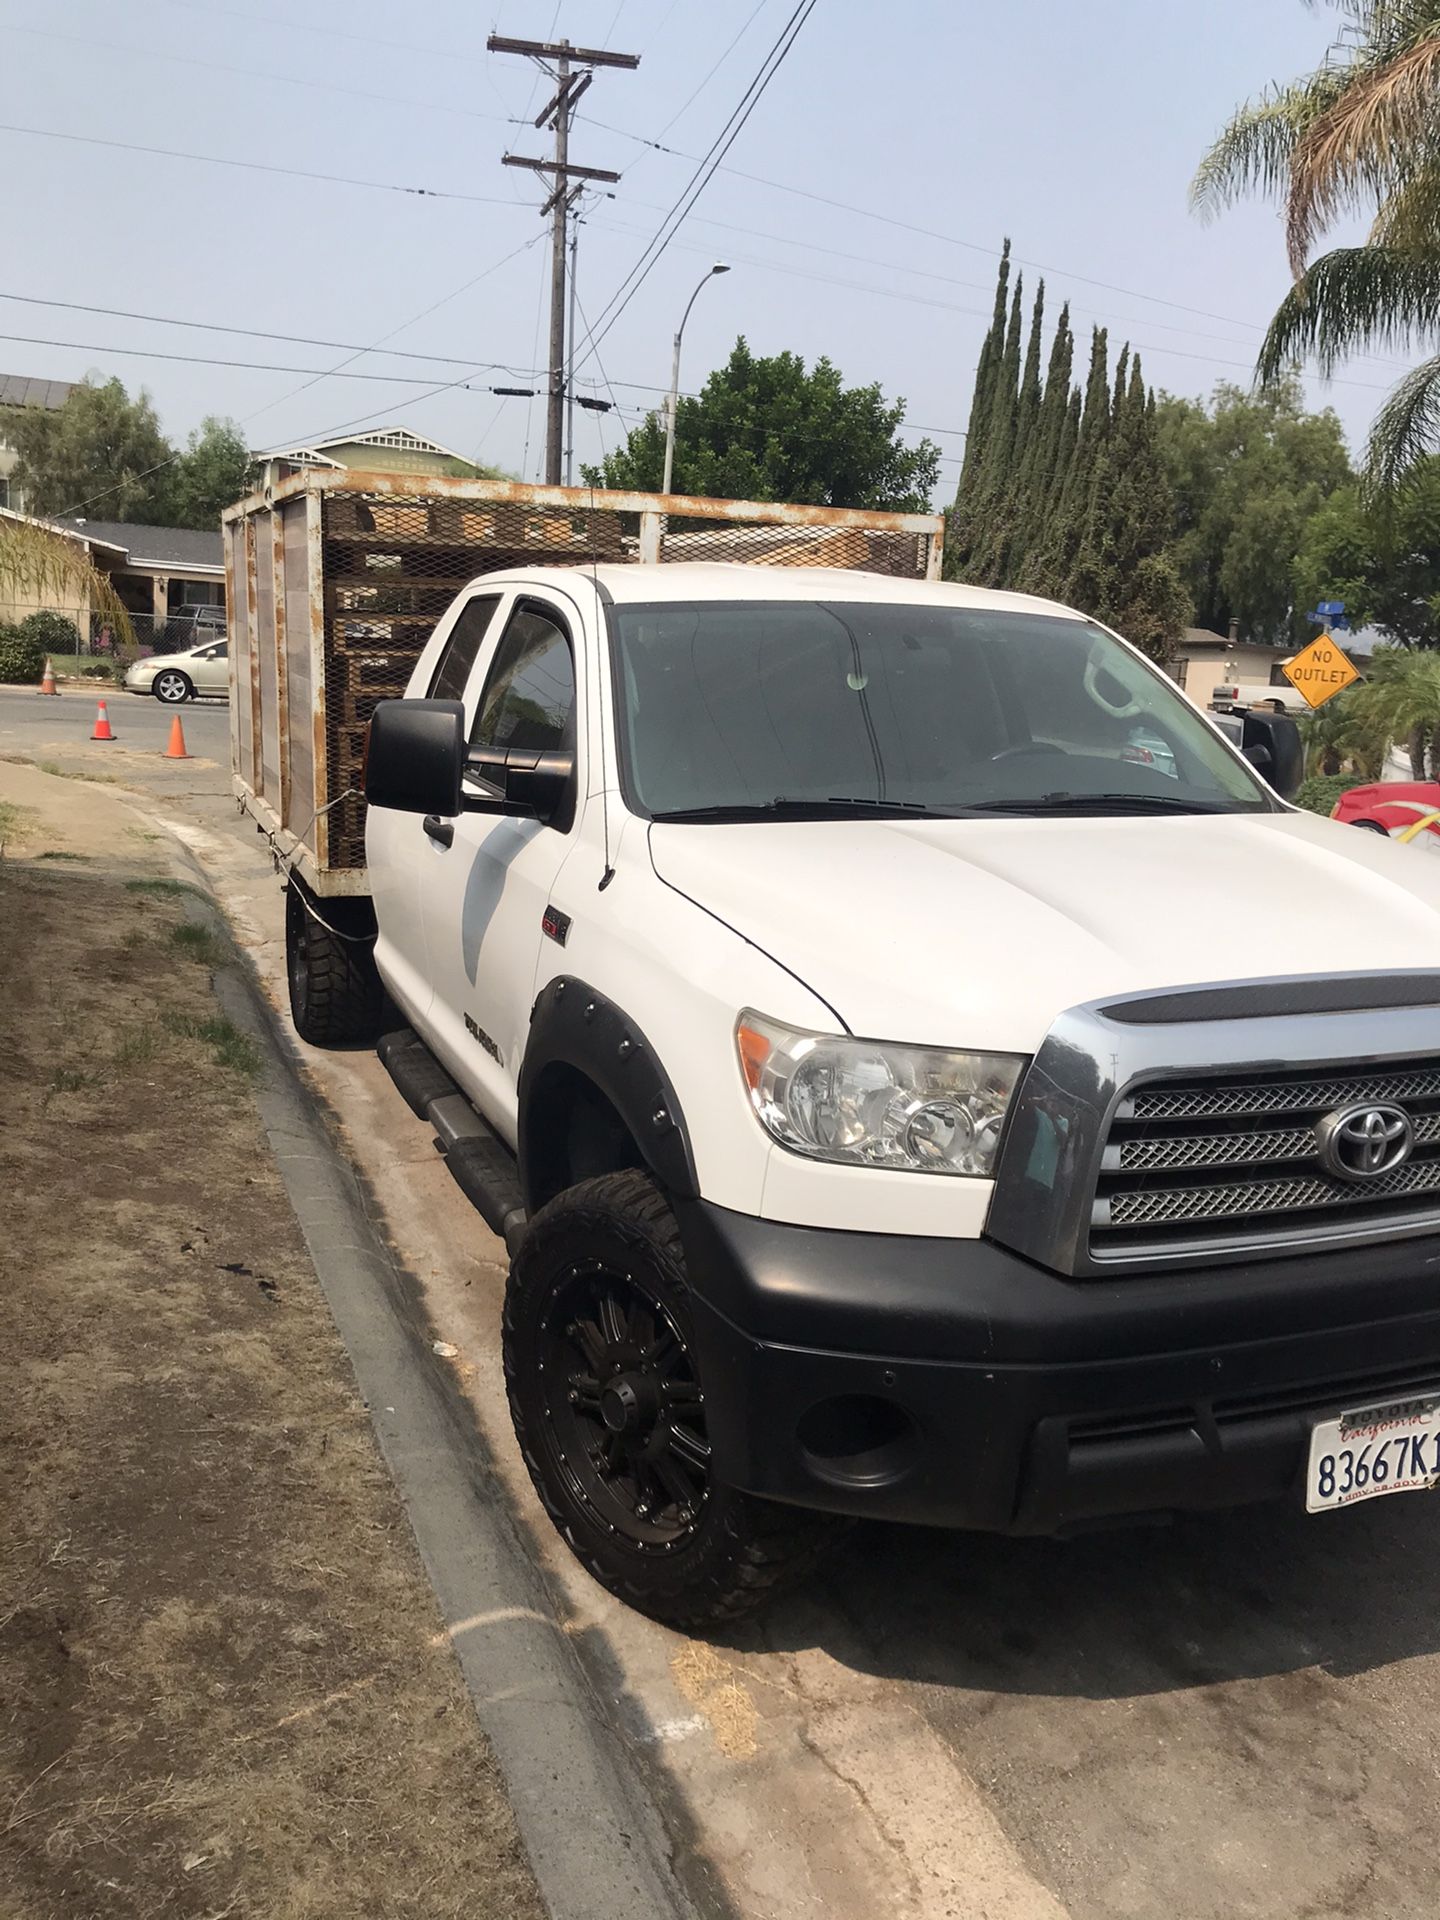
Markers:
1235,1718
58,731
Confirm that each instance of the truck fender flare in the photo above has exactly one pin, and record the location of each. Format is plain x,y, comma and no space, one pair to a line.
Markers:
572,1025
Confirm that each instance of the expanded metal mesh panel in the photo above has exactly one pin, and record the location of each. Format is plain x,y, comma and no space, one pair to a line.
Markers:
1172,1145
392,564
871,550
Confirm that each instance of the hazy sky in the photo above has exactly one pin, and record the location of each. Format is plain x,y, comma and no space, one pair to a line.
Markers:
1072,125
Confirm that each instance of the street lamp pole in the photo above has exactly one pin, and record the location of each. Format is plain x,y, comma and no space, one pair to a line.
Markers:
719,267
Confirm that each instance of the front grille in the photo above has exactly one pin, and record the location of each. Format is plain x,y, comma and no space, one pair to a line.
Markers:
1192,1163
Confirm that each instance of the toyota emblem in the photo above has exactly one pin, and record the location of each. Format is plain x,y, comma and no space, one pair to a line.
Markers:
1364,1141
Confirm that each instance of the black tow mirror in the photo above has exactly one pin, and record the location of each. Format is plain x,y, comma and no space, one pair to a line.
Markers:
524,781
415,756
540,782
1271,743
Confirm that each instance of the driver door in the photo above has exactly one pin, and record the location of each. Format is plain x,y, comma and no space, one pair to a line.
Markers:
488,876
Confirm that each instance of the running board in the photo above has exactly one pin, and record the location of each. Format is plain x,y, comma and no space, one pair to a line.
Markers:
483,1167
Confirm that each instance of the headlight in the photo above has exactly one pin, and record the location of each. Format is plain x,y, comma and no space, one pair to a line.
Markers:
866,1103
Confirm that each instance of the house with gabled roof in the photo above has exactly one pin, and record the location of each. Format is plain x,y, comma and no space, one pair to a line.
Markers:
380,450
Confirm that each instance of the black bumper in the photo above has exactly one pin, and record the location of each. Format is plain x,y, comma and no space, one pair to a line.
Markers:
952,1383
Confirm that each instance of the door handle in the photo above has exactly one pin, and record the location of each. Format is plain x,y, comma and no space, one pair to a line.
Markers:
442,832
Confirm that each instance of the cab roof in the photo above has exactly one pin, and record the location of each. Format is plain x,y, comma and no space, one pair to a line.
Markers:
684,580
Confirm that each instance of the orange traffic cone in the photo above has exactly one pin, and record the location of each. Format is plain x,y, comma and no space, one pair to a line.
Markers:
176,748
103,728
47,679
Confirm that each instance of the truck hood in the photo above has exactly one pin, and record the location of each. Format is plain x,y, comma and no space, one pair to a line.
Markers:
977,932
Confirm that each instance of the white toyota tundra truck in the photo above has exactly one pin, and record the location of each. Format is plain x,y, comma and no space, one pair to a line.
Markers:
920,1067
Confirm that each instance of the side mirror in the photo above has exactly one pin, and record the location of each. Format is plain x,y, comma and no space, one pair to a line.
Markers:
540,782
415,756
1271,743
526,781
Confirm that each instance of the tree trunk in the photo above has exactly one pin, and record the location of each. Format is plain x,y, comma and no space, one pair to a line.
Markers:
1417,744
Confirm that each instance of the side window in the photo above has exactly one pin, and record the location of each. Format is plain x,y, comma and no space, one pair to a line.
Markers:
458,656
529,697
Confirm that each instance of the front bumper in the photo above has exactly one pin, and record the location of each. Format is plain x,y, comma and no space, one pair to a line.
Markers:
953,1383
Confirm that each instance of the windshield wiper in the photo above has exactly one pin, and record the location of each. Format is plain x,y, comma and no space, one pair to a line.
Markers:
837,807
1103,803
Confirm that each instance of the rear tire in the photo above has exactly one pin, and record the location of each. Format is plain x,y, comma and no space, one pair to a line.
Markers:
607,1400
336,997
1371,826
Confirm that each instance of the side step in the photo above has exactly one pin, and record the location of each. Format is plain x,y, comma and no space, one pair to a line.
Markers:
483,1166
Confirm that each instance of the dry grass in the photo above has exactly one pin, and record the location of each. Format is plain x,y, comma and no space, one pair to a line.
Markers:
223,1687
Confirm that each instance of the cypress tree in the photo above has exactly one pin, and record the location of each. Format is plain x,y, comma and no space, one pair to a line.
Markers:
1063,490
959,541
990,535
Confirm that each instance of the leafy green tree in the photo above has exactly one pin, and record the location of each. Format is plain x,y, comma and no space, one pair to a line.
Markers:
1358,135
1382,558
100,451
1247,474
212,473
771,429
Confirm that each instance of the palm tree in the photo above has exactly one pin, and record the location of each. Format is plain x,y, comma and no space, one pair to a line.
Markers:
1344,730
1360,134
1400,700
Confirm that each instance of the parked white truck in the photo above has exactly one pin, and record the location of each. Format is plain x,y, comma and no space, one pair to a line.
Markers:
920,1069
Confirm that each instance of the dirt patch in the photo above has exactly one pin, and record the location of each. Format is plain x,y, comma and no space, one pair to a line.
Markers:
224,1684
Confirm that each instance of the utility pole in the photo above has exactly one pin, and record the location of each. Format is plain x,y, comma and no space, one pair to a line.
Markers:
572,69
570,364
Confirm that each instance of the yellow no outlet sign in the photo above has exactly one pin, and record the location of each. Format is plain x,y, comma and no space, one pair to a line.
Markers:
1320,672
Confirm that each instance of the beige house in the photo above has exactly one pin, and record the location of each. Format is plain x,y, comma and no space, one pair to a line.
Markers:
20,390
1204,660
156,572
385,450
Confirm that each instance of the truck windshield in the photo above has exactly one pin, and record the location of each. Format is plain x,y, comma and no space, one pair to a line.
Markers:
742,709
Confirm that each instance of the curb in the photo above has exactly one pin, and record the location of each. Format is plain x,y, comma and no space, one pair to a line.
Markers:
594,1837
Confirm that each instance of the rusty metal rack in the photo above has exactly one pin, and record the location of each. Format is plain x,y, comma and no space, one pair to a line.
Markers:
335,581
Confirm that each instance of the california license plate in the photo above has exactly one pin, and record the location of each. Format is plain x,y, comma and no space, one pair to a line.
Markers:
1374,1451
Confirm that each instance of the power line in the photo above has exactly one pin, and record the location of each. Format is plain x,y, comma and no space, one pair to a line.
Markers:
249,366
950,306
249,73
946,239
715,67
248,333
261,166
703,174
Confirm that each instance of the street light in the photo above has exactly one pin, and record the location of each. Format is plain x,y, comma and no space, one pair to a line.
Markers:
719,267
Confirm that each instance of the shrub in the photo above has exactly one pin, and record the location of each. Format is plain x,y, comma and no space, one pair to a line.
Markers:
51,631
22,658
1320,792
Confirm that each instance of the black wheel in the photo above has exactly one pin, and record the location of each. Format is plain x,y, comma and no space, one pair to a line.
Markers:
335,992
609,1408
1371,826
172,686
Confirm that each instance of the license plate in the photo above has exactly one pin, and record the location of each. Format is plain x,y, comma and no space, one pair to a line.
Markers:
1373,1451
